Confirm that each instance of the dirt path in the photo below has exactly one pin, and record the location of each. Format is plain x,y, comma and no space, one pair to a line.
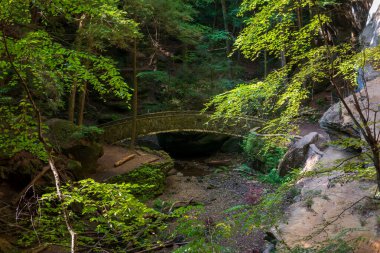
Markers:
113,154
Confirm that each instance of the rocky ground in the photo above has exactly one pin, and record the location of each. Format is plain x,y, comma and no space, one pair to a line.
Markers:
218,188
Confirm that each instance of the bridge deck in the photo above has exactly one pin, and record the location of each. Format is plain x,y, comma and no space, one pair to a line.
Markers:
173,121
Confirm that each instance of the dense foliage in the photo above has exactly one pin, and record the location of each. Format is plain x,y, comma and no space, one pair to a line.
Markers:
264,156
105,216
74,59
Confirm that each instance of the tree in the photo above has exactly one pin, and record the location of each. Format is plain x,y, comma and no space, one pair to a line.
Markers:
99,24
7,20
278,98
36,70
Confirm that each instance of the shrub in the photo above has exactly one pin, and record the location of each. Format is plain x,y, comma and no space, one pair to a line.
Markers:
205,235
91,133
262,152
272,177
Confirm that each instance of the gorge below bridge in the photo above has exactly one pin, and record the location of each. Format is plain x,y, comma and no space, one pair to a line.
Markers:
176,121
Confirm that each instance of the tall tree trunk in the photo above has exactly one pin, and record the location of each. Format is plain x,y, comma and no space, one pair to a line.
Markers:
134,99
83,95
73,91
228,46
224,11
82,103
283,58
299,15
265,63
71,108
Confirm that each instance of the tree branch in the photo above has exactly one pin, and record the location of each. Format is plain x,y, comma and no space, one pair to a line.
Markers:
43,141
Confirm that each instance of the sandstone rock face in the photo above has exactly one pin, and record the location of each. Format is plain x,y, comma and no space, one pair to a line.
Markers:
338,123
336,120
370,34
299,153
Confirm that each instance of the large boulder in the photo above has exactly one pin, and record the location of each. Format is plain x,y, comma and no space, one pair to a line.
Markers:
337,122
68,138
297,154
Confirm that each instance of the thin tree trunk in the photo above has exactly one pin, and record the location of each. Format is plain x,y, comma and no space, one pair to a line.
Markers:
299,15
362,122
82,103
47,148
265,63
228,46
134,99
73,91
283,58
224,11
72,98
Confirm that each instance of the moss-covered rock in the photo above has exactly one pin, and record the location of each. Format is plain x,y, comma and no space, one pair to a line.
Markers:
150,178
78,143
166,164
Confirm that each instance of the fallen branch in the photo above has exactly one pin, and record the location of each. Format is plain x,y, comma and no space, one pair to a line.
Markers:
124,160
139,153
290,136
180,202
154,159
218,162
14,225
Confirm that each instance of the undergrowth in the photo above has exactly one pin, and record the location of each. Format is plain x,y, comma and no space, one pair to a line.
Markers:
263,154
106,216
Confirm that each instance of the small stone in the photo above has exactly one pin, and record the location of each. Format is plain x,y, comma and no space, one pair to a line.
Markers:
179,174
211,186
172,172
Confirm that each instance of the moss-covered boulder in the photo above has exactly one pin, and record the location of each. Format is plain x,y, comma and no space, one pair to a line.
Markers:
150,178
78,143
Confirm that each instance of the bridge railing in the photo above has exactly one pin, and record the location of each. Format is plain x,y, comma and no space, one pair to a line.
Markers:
175,121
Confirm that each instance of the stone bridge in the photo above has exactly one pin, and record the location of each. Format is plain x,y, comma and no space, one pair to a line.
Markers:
175,121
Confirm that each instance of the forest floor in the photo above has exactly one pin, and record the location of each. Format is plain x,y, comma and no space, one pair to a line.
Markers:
218,188
113,154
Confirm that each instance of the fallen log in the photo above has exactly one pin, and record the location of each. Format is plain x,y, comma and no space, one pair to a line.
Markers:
218,162
154,159
124,160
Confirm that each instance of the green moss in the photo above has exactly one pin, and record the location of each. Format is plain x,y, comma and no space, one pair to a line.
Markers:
150,178
166,164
